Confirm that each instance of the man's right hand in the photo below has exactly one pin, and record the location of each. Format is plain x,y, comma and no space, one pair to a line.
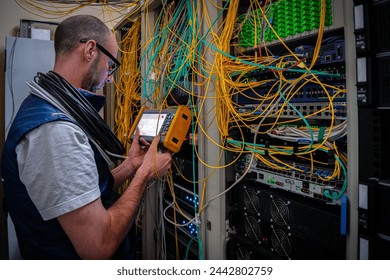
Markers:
156,163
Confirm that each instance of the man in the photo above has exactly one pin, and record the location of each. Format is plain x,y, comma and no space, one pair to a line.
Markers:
58,186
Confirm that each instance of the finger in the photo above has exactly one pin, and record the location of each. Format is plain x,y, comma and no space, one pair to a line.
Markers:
155,143
136,135
144,142
156,140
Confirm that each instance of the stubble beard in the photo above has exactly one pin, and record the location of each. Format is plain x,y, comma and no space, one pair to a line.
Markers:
90,81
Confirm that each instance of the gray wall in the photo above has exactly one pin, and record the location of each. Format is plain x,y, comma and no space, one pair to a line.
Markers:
10,15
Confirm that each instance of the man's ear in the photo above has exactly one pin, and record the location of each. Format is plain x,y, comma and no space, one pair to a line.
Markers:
89,49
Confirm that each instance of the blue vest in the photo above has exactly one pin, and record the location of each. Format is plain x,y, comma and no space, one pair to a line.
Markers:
39,239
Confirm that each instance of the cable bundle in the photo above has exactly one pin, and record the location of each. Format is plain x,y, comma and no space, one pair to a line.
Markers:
69,100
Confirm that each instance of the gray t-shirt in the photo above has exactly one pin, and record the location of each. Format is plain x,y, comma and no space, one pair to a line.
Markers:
57,166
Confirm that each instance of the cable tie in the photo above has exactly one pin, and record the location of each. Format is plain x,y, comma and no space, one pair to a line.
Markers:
321,134
197,219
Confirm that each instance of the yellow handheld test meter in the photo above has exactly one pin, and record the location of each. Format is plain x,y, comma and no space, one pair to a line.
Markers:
170,124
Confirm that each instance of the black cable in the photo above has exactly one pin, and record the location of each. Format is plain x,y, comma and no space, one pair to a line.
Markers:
81,111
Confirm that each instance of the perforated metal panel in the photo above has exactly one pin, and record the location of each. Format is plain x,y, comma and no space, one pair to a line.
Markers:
381,29
383,84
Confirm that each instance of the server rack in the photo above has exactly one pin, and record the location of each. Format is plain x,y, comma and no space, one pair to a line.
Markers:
372,55
215,227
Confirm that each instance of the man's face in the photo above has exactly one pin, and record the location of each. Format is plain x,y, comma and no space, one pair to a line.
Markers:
102,68
95,79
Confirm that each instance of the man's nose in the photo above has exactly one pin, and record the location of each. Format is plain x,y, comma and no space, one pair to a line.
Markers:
110,79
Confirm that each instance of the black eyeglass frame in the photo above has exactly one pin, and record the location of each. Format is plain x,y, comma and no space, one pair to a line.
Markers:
107,53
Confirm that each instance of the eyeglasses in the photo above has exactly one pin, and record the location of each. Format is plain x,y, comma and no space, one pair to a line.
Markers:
113,64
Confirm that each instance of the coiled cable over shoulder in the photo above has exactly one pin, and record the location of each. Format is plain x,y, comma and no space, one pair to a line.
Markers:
80,110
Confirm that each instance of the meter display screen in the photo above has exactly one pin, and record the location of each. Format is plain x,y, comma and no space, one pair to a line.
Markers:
150,124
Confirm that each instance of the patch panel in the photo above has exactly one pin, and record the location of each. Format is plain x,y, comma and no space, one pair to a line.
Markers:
288,18
308,93
316,110
315,93
327,73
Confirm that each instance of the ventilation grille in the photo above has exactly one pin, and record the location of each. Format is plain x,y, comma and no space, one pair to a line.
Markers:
384,80
382,26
